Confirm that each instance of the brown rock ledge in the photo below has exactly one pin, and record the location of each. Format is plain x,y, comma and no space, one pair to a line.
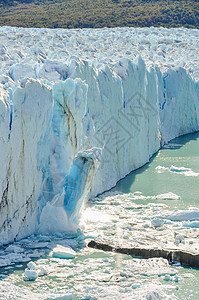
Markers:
172,255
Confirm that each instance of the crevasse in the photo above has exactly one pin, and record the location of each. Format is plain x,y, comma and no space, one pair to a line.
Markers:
73,139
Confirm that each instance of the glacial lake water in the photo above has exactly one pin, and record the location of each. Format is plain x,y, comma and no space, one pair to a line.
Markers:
95,274
181,152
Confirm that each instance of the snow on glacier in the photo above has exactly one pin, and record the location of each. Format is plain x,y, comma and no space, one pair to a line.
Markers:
80,109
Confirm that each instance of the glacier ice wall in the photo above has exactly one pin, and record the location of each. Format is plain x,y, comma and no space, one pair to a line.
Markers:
73,131
24,125
179,104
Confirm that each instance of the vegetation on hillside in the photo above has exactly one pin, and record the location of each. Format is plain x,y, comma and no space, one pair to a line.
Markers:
99,13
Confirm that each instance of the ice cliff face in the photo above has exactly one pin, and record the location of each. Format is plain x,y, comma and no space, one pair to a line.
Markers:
70,130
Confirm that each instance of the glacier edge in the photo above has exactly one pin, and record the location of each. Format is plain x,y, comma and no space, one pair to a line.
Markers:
112,123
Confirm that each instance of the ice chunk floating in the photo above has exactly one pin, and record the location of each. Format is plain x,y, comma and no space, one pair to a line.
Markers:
74,118
63,252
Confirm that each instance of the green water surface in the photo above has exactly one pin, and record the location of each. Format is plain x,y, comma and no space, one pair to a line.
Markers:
183,153
147,180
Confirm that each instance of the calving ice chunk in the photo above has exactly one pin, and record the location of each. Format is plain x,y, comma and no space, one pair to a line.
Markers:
67,192
71,126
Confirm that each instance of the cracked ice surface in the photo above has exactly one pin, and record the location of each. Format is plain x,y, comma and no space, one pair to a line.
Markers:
45,53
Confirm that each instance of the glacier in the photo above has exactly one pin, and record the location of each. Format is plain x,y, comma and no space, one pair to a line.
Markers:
80,109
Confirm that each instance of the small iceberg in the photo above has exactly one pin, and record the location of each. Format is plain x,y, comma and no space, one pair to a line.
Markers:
30,275
33,271
157,222
184,215
183,171
63,252
168,196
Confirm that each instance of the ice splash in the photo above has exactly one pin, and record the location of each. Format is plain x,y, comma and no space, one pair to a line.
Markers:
68,194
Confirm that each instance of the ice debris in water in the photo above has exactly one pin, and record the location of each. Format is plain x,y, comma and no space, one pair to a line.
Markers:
176,279
63,252
168,196
161,169
184,171
183,215
157,222
30,275
136,285
168,277
177,170
33,271
31,265
139,196
42,272
179,239
66,297
193,224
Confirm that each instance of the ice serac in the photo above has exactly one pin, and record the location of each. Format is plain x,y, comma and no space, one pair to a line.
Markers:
64,140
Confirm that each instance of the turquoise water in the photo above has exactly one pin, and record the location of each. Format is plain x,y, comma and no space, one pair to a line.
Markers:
185,153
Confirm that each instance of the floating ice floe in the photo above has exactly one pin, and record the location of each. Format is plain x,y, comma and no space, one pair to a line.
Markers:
11,258
33,271
177,170
161,169
42,272
168,196
30,275
183,215
63,252
157,222
31,265
179,238
193,224
183,171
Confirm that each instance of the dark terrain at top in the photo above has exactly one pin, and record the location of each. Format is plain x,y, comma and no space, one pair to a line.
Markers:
99,13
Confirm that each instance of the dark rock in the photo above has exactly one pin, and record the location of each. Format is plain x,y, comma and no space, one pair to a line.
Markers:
172,255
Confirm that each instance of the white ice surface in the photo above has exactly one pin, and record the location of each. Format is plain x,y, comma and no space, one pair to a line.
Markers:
64,92
177,170
63,252
150,291
45,53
